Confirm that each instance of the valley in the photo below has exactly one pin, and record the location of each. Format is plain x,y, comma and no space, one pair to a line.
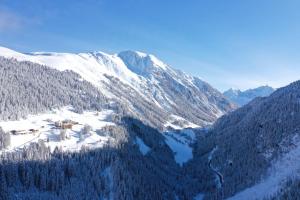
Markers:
150,131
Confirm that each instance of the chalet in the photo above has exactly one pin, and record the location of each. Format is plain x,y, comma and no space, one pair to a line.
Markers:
66,124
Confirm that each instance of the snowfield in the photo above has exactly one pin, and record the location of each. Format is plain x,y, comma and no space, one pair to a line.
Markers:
180,138
180,143
91,66
94,66
46,130
176,122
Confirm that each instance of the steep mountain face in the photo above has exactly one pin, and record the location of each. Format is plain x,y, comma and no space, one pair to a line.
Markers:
140,82
243,97
251,149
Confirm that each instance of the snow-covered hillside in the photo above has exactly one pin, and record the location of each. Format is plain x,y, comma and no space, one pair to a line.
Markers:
42,127
243,97
131,73
180,142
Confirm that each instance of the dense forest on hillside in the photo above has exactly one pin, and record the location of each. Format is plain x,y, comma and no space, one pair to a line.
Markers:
117,171
243,145
29,88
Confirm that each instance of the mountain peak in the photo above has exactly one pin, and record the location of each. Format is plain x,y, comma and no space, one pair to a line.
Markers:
141,63
243,97
233,91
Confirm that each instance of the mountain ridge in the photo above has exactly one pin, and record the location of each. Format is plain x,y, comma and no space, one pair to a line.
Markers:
144,74
243,97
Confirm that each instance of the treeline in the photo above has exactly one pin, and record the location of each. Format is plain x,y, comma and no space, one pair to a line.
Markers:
29,88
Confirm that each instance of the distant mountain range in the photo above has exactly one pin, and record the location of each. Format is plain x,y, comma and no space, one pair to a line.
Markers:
243,97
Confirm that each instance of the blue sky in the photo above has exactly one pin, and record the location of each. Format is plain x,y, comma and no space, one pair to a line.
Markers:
232,43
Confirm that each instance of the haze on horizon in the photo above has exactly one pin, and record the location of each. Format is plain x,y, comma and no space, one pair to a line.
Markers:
239,44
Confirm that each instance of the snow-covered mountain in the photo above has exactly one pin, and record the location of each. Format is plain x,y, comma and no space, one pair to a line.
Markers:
116,126
124,133
139,81
243,97
128,126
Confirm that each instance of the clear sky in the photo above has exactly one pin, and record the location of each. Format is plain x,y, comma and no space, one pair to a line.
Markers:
228,43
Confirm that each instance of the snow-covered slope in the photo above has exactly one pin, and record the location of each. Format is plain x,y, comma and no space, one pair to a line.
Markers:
141,63
91,66
258,147
180,143
134,74
45,130
243,97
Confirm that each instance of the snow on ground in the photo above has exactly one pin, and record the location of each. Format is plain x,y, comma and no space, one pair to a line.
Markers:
176,122
44,124
141,63
180,143
95,65
144,149
287,166
90,66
